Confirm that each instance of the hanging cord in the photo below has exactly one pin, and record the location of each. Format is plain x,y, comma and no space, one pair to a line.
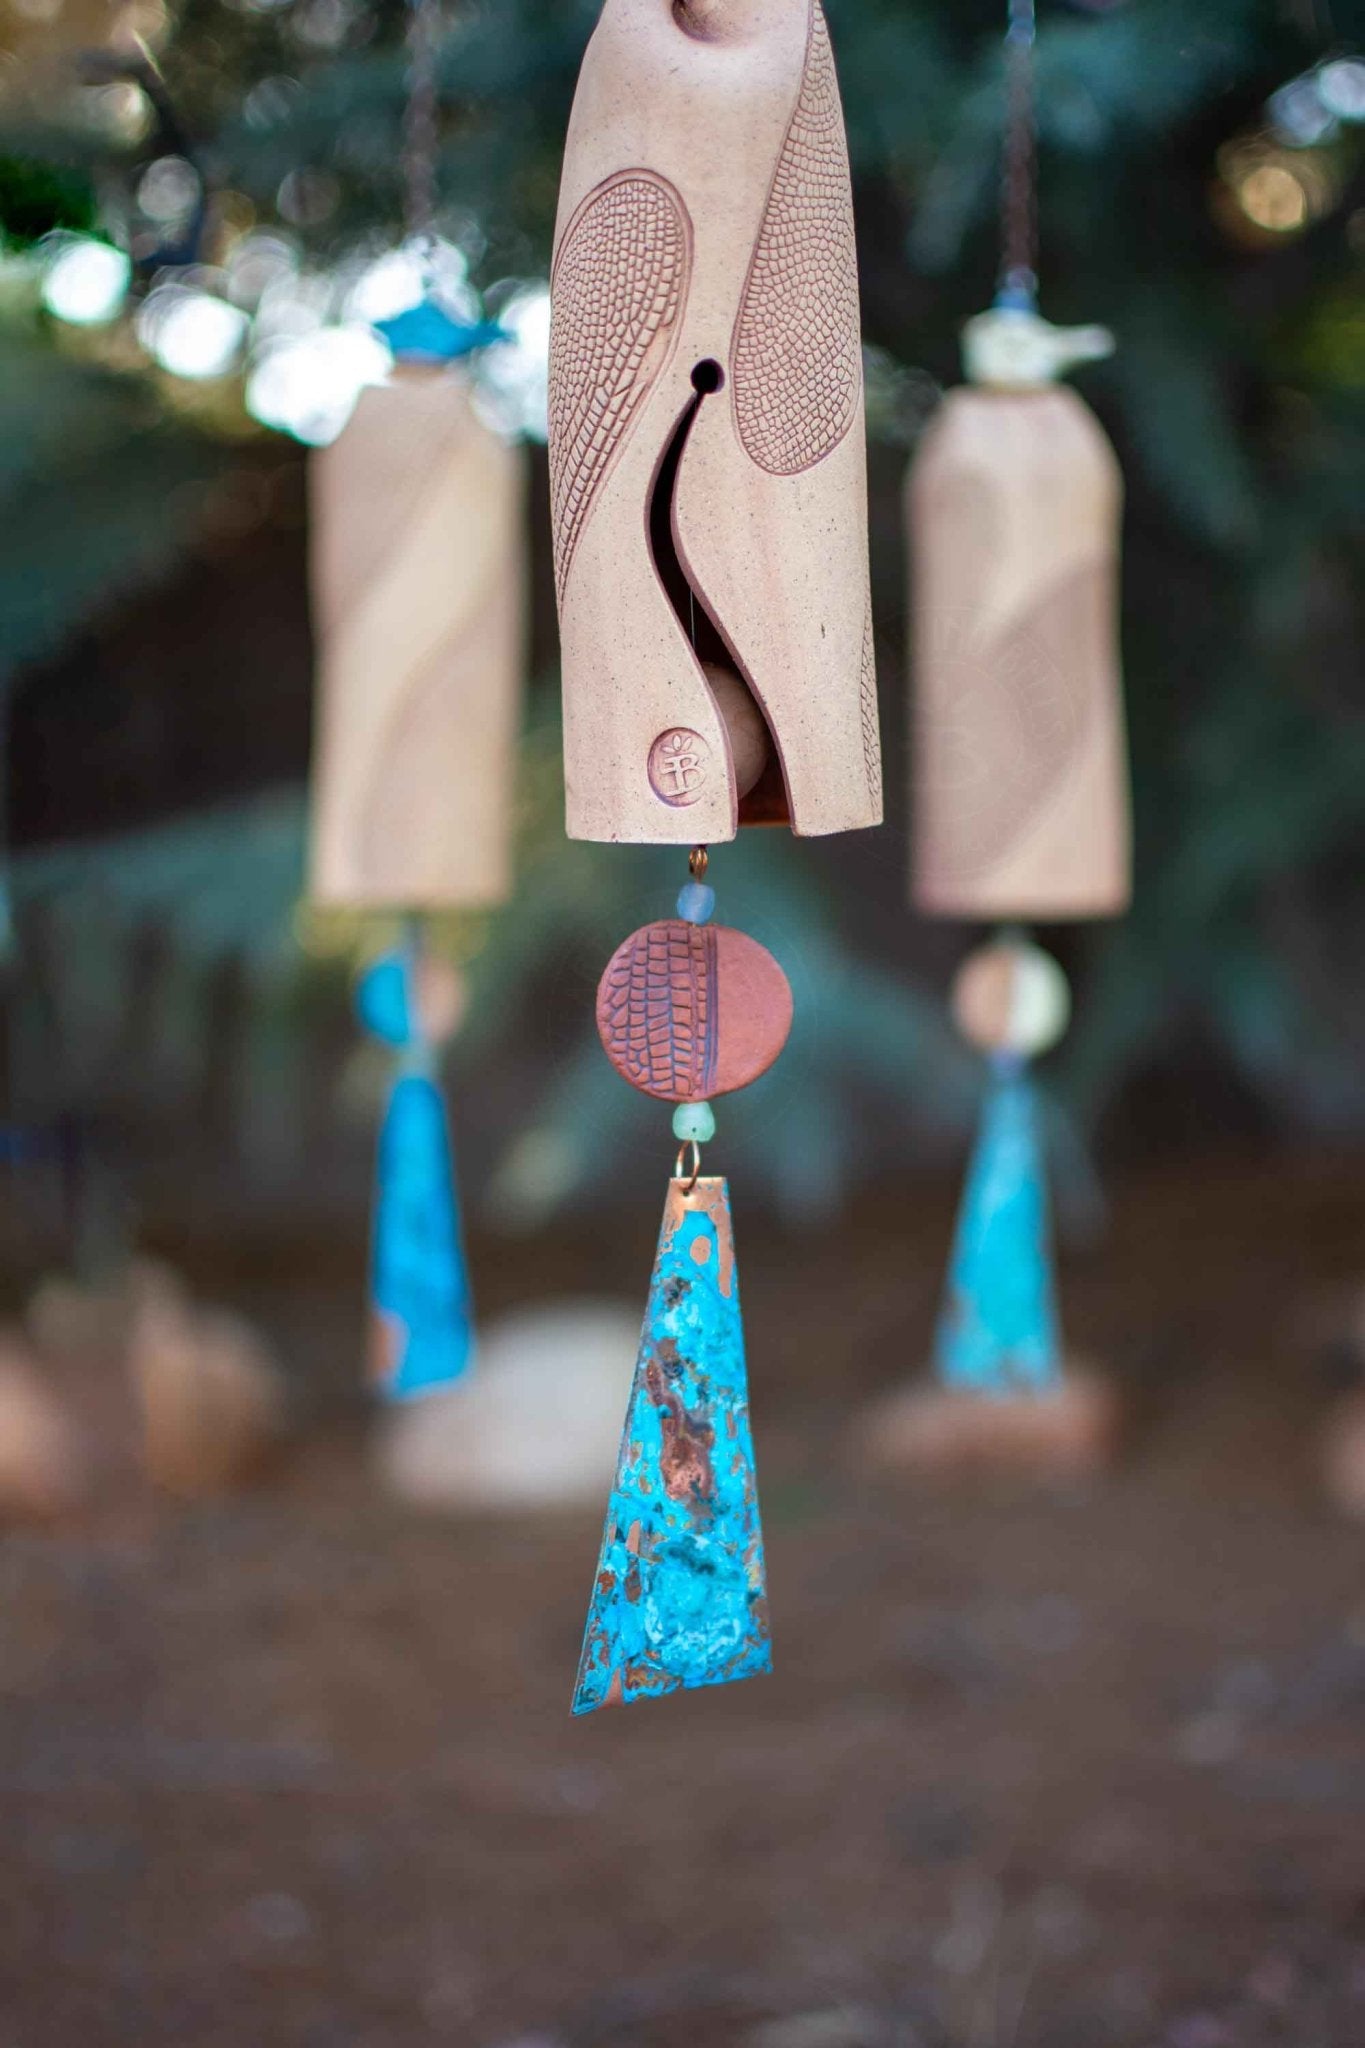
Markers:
1018,286
419,122
169,137
418,1056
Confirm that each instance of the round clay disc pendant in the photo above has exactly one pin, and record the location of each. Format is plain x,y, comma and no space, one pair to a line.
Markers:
687,1011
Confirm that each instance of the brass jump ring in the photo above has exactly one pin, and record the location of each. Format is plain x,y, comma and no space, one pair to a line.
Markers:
692,1145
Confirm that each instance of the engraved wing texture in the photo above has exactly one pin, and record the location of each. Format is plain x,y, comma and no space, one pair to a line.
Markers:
872,739
1008,718
619,287
656,1010
797,351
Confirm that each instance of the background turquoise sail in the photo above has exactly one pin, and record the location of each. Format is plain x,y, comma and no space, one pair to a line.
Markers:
680,1597
423,1319
998,1330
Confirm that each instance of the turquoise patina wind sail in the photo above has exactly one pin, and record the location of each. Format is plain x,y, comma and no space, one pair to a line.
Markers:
680,1597
998,1330
418,1280
422,1327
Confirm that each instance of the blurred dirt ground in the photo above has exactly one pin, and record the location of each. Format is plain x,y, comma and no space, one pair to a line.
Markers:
1069,1770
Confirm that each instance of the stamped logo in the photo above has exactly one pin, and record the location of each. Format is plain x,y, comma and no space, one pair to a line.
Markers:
678,765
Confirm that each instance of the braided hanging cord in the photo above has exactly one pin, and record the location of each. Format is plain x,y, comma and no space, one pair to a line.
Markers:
419,121
1018,199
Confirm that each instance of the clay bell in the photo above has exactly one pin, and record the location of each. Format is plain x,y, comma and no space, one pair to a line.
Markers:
706,438
1013,502
418,580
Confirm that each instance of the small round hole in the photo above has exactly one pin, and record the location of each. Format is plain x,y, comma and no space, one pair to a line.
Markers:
702,19
707,375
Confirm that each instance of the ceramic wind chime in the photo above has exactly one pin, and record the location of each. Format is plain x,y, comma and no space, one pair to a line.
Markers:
1020,795
707,468
418,581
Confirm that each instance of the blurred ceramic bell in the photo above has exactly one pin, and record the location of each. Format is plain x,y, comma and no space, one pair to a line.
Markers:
536,1428
211,1396
949,1432
1020,812
78,1320
1341,1454
44,1464
418,549
419,598
1020,800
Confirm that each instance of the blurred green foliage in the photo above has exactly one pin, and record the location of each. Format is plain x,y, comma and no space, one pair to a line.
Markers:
37,197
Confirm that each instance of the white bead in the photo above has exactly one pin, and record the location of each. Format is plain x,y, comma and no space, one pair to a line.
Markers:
1011,996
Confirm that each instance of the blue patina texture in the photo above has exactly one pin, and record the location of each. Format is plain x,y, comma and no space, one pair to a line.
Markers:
382,1000
680,1597
423,1334
998,1331
418,1280
427,333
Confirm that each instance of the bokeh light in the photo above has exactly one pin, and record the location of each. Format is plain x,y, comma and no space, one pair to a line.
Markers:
323,24
307,385
1298,113
381,286
512,383
168,189
1273,198
191,333
144,23
120,113
256,264
306,198
1275,190
85,282
1341,88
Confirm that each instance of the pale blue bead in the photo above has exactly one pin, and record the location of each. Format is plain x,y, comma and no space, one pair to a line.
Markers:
696,901
694,1123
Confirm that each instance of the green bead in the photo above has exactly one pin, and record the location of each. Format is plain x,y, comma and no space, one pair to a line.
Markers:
694,1122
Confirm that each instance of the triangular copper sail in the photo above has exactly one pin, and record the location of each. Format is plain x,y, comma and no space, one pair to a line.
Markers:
998,1331
680,1598
423,1331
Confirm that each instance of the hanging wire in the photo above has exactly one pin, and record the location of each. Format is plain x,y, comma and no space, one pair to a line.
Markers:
1018,284
419,122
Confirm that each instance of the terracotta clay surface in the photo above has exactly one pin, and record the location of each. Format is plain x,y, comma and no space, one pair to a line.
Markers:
1010,996
932,1429
441,994
982,998
1342,1453
707,461
689,1011
418,568
1020,800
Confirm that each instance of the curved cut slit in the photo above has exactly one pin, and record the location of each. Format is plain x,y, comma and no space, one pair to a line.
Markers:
763,796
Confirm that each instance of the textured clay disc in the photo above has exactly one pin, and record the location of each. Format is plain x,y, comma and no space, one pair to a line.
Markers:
687,1011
